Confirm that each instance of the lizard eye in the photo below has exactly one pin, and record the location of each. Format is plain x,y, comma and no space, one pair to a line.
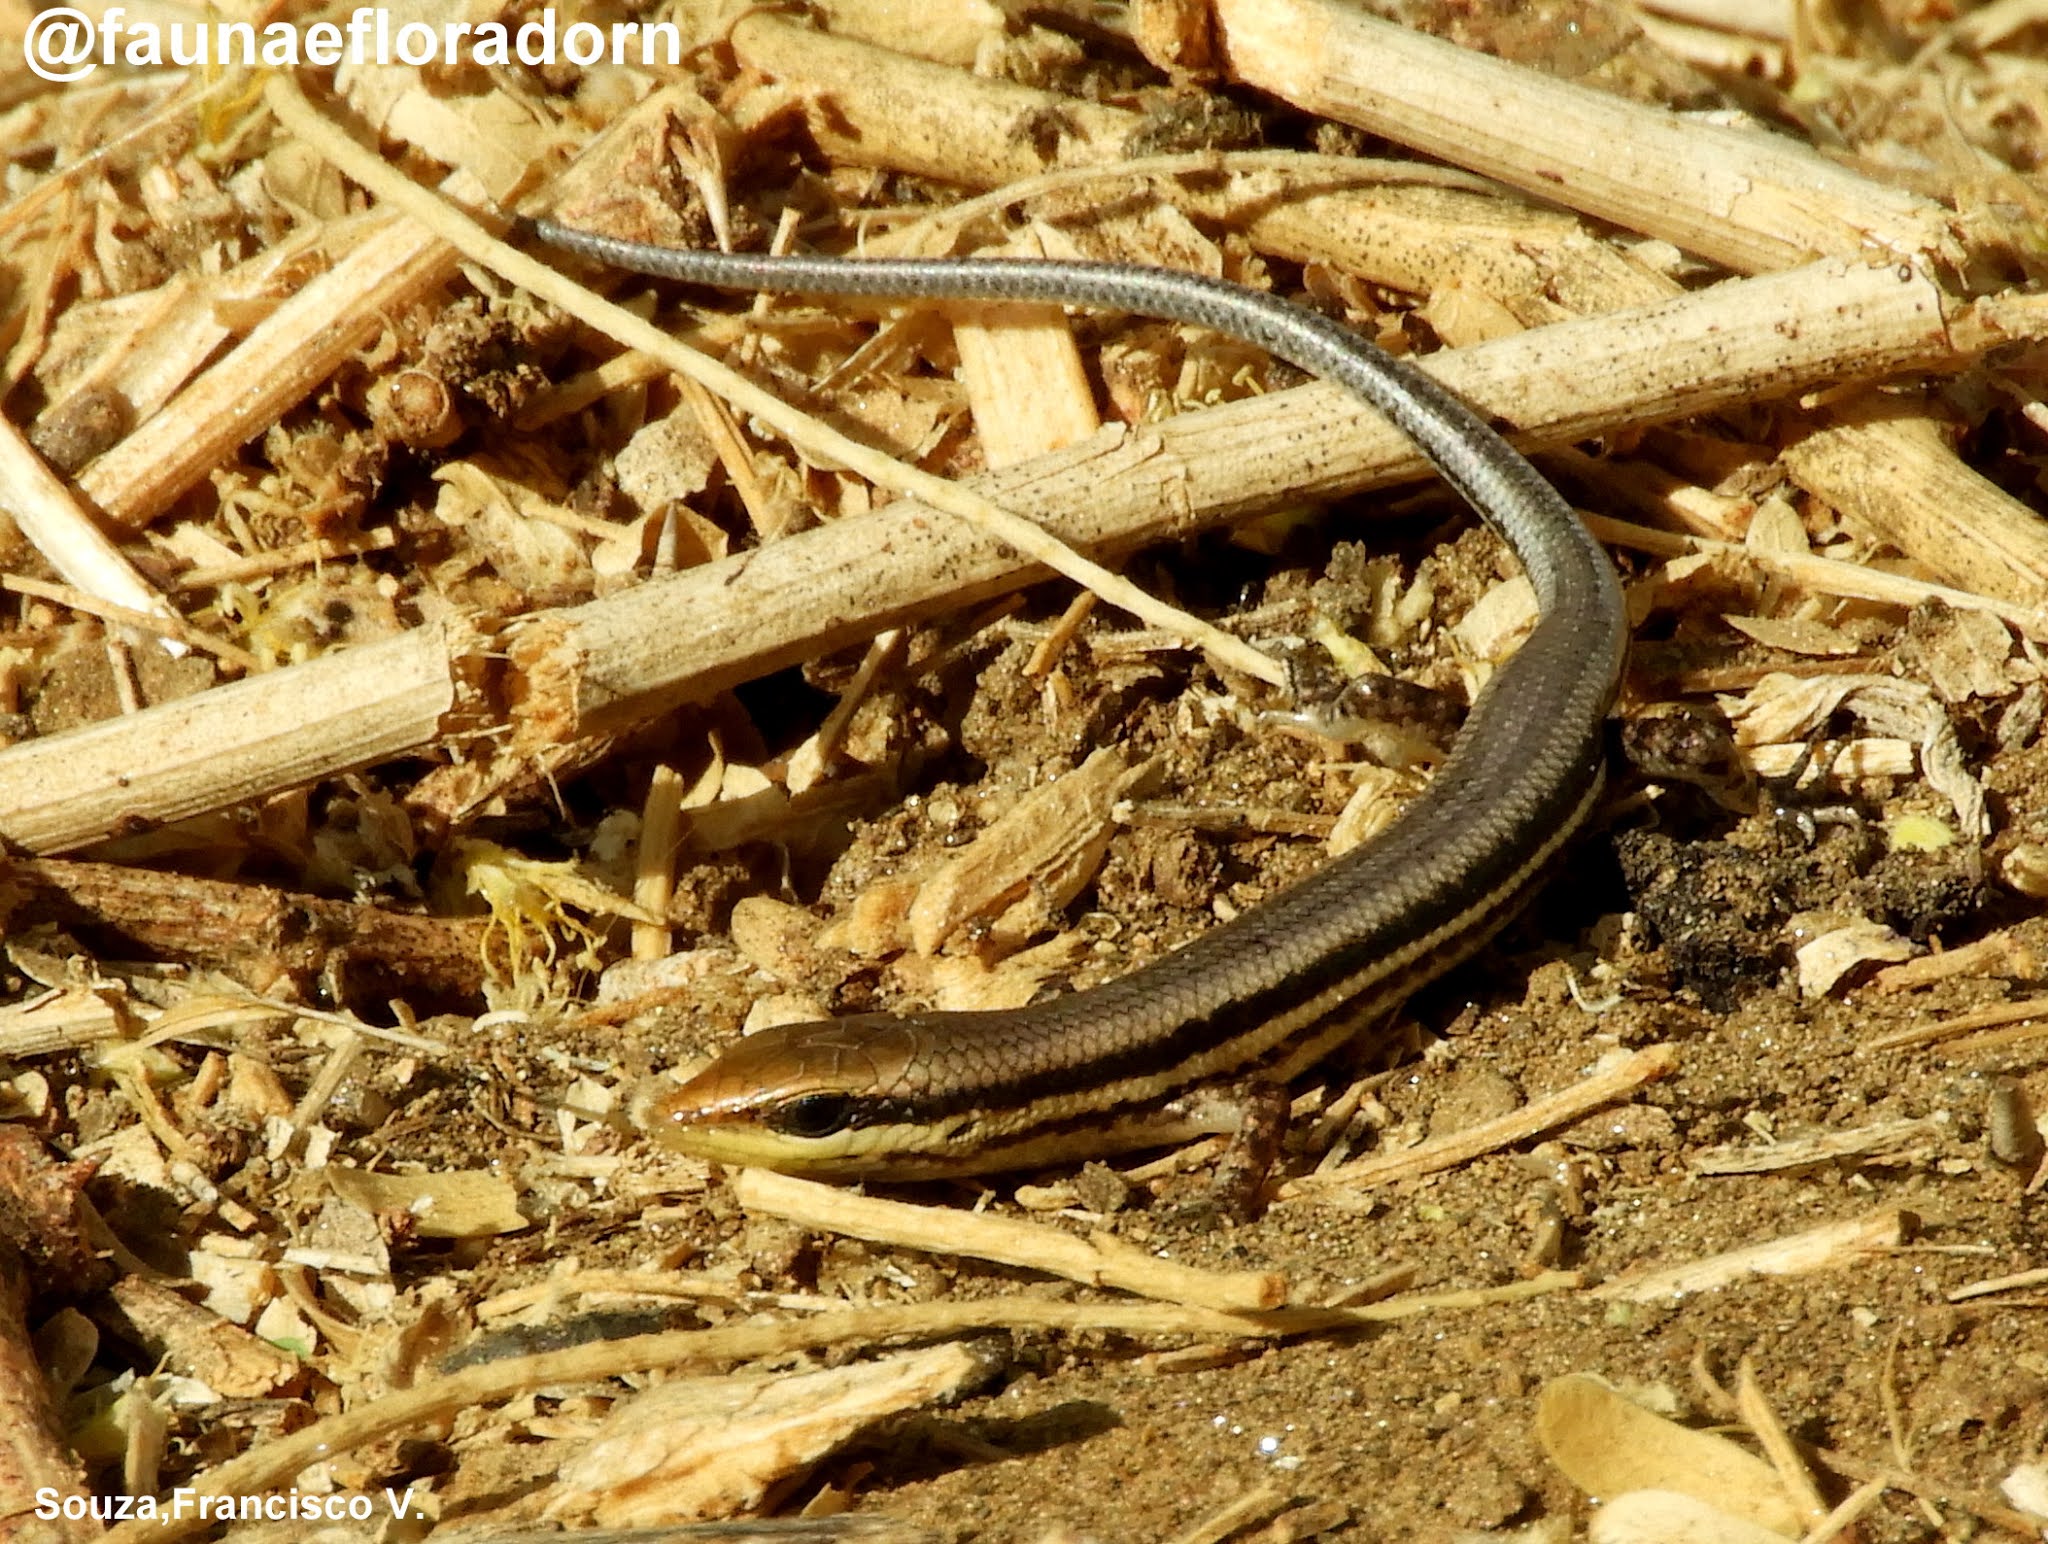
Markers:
814,1115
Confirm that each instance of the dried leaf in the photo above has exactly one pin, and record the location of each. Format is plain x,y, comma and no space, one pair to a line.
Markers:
1609,1445
1793,708
1965,654
1048,846
711,1447
465,1203
1667,1517
1825,960
1794,635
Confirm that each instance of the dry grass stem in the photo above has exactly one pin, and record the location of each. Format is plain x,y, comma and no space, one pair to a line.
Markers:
1931,1493
1101,1261
1623,1078
1754,1408
1896,473
179,633
1417,228
598,1286
1897,1140
50,516
2003,953
305,554
1833,1246
269,936
272,1465
1997,1284
939,121
2023,1011
1823,576
283,358
1848,1514
1240,1512
60,1019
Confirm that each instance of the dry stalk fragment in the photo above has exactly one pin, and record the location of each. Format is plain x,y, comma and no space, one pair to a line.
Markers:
267,934
49,516
1099,1261
200,1344
1539,1115
1834,1246
284,357
1752,201
1895,1141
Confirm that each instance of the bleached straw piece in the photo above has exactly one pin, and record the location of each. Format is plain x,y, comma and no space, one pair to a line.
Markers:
284,357
1103,1261
1532,1119
1832,1246
66,535
1752,200
236,743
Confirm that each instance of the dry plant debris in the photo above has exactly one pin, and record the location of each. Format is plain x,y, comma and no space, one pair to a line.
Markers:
441,692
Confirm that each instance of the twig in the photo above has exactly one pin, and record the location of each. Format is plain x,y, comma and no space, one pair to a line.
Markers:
163,623
1102,1261
1533,1118
68,538
291,351
1824,1248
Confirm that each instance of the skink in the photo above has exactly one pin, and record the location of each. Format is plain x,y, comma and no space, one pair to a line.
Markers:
1266,995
